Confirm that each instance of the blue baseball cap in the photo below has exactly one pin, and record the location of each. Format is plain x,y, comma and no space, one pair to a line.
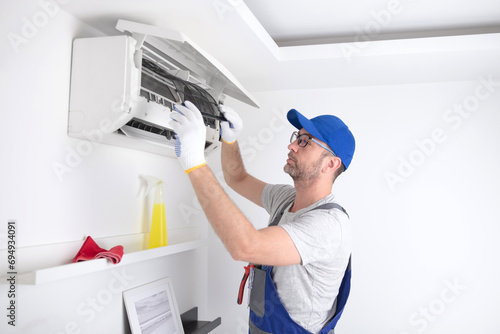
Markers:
330,130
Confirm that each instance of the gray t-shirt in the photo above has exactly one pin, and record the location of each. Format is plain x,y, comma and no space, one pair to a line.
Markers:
323,239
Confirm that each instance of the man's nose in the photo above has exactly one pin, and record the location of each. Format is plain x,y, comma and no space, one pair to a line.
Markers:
294,146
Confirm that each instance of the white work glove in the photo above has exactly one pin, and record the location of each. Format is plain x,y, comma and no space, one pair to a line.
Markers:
190,136
231,129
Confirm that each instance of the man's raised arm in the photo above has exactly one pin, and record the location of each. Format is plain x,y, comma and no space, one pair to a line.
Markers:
237,177
232,164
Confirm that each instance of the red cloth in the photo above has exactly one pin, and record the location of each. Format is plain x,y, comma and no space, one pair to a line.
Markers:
90,250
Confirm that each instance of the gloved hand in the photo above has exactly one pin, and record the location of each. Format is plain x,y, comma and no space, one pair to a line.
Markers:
190,136
231,129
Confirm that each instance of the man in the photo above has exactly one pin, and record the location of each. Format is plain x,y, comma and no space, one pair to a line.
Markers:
306,249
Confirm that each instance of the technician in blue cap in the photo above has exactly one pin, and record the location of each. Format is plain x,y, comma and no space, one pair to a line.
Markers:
299,264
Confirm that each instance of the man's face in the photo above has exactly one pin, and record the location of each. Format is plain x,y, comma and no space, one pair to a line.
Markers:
304,163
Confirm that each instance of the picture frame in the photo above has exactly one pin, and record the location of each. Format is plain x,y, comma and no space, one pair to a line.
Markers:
152,308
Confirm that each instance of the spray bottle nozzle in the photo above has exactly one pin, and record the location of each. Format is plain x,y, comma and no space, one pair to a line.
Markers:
151,183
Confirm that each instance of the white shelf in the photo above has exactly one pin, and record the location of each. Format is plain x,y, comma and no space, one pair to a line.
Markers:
133,253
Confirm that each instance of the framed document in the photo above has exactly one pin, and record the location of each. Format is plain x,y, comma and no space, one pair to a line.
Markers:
152,308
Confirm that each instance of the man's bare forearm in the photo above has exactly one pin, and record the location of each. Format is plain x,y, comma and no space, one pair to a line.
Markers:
237,177
232,163
232,227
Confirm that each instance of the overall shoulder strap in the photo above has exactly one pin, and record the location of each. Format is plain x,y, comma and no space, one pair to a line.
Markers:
278,216
325,206
331,206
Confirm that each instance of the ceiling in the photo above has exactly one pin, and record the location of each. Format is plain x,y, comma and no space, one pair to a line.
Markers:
293,22
289,44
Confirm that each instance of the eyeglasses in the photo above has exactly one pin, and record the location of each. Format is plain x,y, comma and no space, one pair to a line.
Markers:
303,140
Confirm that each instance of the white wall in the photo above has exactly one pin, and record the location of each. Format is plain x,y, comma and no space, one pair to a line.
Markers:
425,245
98,197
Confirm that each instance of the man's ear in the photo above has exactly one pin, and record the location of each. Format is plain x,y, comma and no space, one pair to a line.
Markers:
332,164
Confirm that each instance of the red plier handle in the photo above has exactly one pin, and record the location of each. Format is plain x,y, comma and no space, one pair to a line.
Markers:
243,282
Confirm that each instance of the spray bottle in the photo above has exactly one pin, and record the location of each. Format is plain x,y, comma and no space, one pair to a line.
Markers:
158,230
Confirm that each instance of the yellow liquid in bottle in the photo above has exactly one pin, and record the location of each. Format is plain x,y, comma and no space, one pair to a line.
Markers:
158,233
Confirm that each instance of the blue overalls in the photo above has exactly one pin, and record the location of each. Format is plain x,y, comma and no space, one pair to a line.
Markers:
267,313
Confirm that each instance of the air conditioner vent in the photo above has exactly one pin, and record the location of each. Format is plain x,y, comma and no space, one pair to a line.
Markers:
144,126
139,128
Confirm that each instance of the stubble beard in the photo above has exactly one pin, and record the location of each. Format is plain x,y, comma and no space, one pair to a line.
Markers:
303,175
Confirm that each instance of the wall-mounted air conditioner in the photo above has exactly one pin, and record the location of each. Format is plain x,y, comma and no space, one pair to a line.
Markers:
123,88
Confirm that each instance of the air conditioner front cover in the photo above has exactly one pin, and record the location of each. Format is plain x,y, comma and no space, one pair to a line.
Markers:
182,52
